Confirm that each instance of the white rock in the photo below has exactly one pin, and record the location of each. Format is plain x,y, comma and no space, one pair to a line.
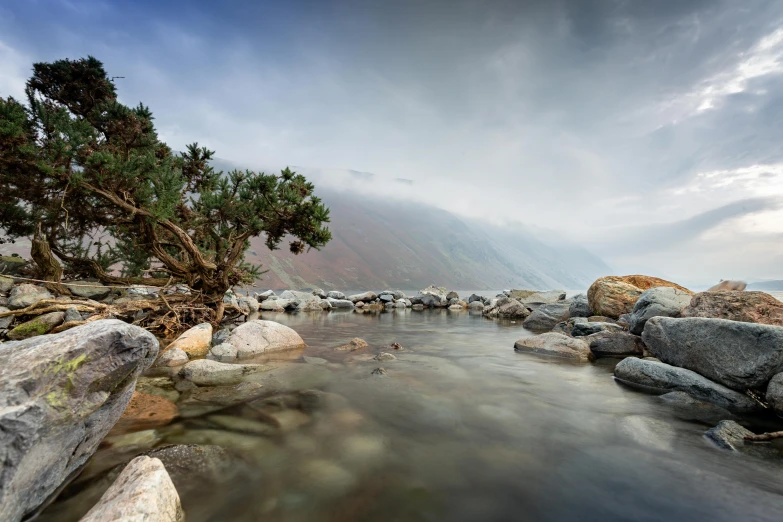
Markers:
258,337
206,372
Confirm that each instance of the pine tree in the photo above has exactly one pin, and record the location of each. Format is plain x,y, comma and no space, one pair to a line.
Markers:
87,178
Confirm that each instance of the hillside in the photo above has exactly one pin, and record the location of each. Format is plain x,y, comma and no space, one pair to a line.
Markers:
389,244
768,286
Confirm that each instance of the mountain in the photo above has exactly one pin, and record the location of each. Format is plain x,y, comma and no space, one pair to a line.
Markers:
769,286
383,243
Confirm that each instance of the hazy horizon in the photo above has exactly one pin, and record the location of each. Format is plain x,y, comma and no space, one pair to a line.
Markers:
647,132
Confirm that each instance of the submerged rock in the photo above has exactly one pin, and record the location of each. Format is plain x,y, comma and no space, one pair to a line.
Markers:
258,337
146,411
143,491
614,296
555,344
657,302
198,401
738,355
746,307
659,377
59,396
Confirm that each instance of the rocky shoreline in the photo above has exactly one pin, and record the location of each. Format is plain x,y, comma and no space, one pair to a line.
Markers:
107,382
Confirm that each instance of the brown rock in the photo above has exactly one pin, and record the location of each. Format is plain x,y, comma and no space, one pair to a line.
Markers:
355,344
613,296
746,307
194,342
144,412
729,286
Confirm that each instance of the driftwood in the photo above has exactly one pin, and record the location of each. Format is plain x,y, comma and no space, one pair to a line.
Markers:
761,437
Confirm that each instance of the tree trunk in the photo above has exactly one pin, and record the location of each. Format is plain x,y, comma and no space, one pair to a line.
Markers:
49,268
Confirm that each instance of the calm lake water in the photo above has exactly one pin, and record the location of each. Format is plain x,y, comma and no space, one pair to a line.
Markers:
462,428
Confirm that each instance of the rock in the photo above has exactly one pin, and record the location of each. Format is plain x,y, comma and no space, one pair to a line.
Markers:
343,304
263,296
143,491
555,344
746,307
199,401
588,328
383,356
774,394
355,344
178,289
473,298
323,478
439,291
456,308
737,355
477,306
545,317
386,297
140,292
618,344
379,372
6,284
662,301
613,296
206,372
729,286
538,299
579,307
318,292
88,290
71,315
728,435
600,319
417,307
160,386
258,337
519,294
452,295
26,295
38,326
311,304
145,412
658,377
334,294
224,352
690,409
366,297
171,358
273,305
195,341
220,336
230,298
59,396
513,310
5,322
295,297
12,264
431,300
247,304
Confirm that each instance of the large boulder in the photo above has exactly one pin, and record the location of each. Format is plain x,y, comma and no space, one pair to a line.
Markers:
343,304
258,337
273,305
143,491
617,344
26,295
334,294
746,307
613,296
737,355
507,308
661,301
59,396
545,317
555,344
538,299
366,297
660,377
774,394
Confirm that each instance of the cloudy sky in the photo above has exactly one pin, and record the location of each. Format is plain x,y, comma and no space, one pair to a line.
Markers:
648,131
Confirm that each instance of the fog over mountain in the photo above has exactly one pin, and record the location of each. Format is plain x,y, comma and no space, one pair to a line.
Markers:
649,132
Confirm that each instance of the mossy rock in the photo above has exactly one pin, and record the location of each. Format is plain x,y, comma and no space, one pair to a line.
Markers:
38,326
11,264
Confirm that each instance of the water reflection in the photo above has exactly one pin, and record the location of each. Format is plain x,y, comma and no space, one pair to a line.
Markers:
460,427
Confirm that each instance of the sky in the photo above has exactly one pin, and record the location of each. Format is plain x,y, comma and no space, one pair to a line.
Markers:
648,132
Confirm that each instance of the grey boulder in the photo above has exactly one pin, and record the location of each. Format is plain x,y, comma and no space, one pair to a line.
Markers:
660,377
582,329
555,344
617,344
334,294
342,304
366,297
59,396
88,290
579,307
774,394
661,301
206,372
26,295
735,354
545,317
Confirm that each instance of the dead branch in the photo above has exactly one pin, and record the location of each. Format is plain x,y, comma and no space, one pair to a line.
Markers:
764,436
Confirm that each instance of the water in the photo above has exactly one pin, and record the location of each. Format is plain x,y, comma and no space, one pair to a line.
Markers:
463,428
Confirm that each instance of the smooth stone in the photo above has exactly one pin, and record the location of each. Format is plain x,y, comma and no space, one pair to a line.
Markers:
658,376
366,297
546,316
258,337
171,358
334,294
195,342
88,290
248,304
617,344
555,344
40,325
274,305
735,354
143,491
589,328
223,352
25,295
657,302
263,296
340,303
206,372
59,396
72,315
614,296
